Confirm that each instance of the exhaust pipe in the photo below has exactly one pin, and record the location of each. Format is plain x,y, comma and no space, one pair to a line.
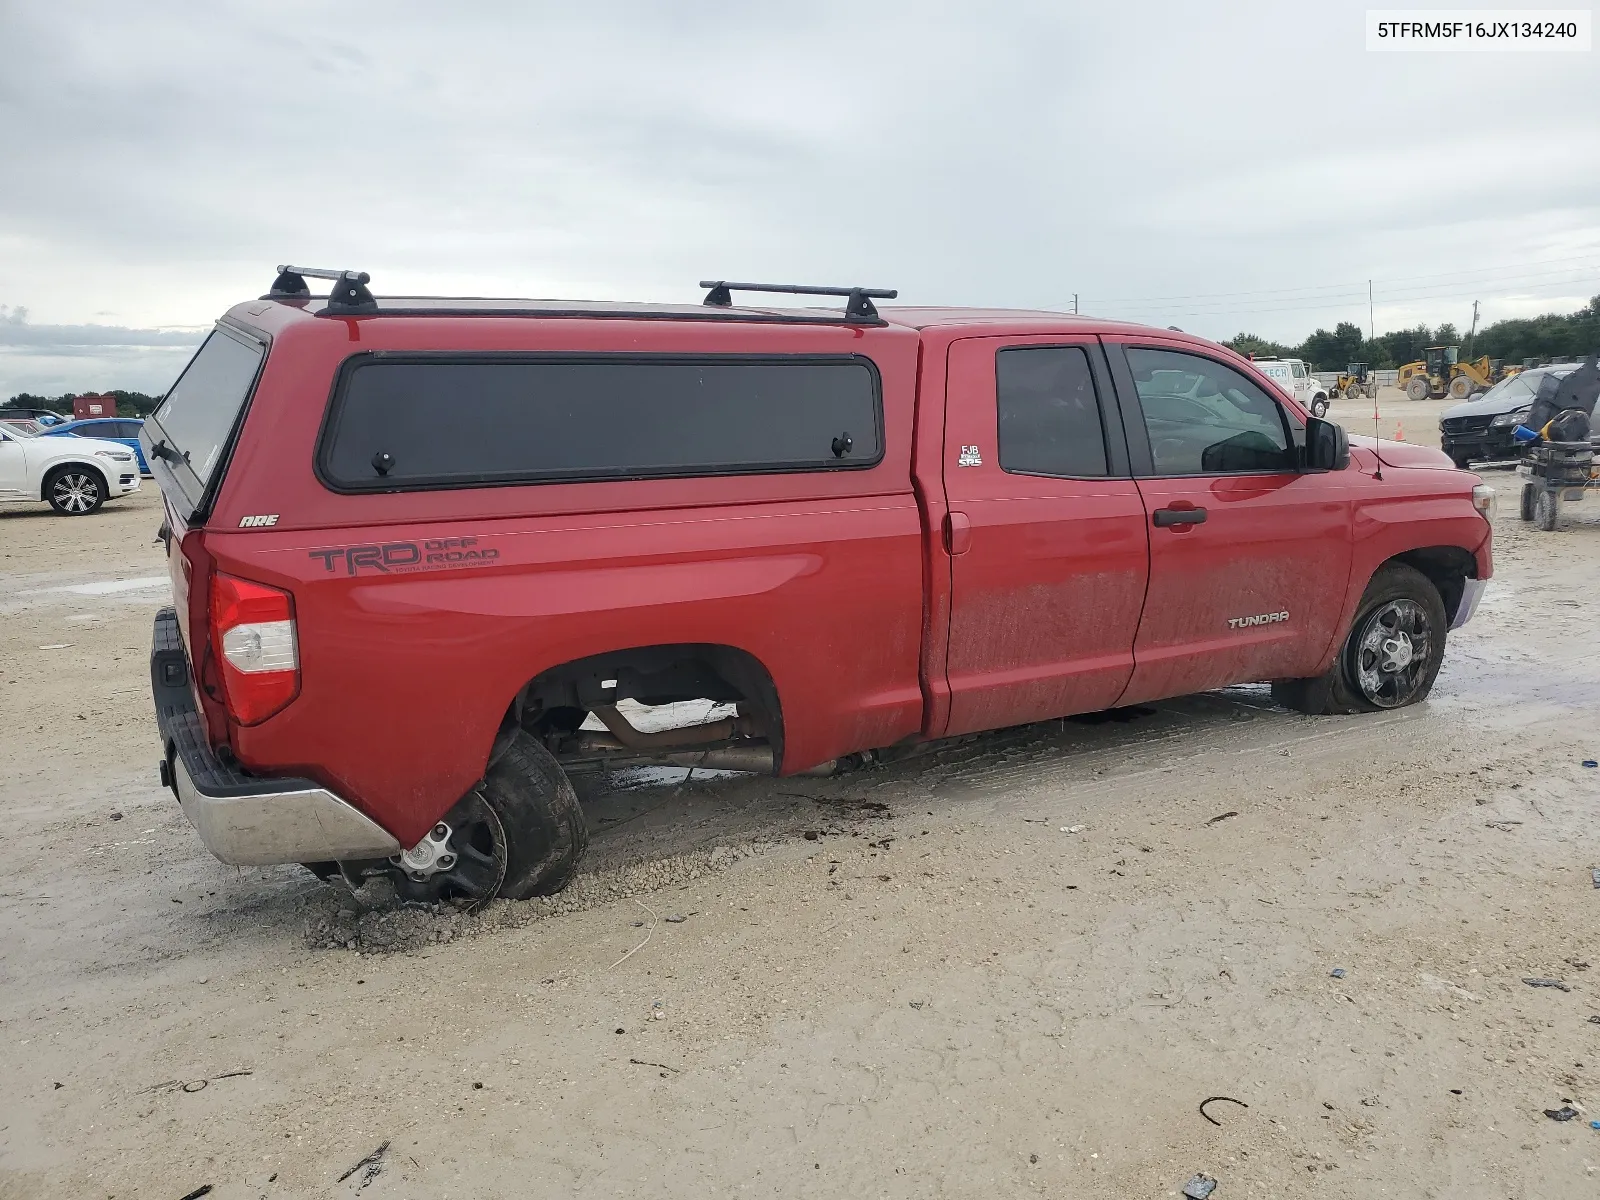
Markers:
688,735
754,757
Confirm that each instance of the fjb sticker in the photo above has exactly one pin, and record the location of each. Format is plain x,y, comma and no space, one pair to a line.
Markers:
970,457
401,558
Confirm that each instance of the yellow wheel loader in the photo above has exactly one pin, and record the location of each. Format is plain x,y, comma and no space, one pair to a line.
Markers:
1358,380
1429,377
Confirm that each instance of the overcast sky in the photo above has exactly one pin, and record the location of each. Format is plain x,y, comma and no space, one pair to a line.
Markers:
1222,167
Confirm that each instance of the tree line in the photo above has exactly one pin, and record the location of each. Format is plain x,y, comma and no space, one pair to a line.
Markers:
1554,335
129,404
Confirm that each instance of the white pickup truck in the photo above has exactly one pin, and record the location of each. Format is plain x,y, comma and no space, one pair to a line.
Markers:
1295,378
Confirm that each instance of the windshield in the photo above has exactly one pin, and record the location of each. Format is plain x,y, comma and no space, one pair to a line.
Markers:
1520,387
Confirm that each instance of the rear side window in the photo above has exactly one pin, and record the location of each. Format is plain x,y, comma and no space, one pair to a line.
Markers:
1049,413
432,422
198,415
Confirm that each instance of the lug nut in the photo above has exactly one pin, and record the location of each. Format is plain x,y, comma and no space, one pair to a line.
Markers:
446,861
441,830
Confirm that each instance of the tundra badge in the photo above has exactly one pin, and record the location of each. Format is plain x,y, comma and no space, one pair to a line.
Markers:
1259,619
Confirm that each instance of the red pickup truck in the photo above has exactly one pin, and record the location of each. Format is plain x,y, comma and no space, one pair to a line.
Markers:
427,555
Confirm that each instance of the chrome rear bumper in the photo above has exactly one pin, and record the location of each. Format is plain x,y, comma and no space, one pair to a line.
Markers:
244,819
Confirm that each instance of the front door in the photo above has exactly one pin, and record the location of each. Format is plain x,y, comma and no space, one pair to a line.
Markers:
1046,536
1249,556
13,466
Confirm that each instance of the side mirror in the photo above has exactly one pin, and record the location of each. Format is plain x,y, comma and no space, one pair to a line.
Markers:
1327,446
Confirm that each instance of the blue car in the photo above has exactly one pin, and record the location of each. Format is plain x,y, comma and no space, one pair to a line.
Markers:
109,429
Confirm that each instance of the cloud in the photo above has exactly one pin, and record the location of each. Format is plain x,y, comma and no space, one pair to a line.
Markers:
16,331
967,154
54,359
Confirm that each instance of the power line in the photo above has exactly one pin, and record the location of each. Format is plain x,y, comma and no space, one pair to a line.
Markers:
1567,263
1351,300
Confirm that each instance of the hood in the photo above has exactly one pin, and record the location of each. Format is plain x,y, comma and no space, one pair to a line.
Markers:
1487,406
1398,454
75,447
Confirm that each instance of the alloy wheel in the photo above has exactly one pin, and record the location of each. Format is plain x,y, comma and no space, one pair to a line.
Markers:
461,860
75,492
1393,653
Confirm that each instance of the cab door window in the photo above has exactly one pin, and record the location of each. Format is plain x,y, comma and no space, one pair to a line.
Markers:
1204,418
1049,413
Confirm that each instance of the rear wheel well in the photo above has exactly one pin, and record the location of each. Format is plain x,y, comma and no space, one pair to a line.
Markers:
558,700
1447,568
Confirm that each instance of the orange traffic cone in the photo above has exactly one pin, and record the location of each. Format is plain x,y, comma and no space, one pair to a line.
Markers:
1399,432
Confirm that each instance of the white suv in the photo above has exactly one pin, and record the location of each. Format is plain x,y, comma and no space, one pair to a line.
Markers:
73,475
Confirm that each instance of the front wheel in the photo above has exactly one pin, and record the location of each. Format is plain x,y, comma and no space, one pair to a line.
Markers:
1460,387
1529,501
75,491
1319,407
1417,389
1391,656
1462,461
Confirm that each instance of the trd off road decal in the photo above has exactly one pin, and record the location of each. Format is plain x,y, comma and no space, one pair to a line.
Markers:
1259,619
400,558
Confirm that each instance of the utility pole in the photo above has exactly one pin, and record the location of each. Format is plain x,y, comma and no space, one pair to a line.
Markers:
1074,303
1471,333
1372,335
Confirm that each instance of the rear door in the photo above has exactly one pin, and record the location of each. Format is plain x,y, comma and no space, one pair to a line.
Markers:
1249,557
1046,532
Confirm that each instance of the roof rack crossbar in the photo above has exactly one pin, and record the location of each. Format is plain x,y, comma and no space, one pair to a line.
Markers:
859,307
349,293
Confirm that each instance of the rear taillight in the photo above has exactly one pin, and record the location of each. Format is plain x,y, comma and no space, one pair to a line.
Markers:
252,632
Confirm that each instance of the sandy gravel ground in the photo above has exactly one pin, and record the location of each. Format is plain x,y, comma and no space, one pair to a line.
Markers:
1014,968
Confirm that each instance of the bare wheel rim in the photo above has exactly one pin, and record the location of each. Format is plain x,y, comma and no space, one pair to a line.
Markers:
475,843
75,492
1392,653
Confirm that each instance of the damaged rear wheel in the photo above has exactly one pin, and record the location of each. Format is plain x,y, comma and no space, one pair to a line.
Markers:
461,860
520,833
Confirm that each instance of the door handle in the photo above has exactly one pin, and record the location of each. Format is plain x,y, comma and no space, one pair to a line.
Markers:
1163,517
957,533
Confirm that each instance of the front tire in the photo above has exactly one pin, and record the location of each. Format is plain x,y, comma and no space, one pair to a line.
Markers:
75,491
1462,461
1528,501
1391,656
1319,407
1460,387
1417,389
